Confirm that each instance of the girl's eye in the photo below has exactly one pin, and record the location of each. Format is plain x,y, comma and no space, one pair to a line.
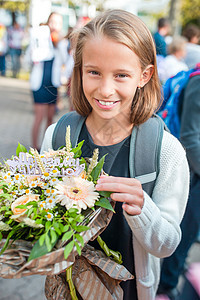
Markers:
94,72
122,76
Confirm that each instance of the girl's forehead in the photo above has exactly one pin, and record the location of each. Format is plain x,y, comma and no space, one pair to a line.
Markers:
104,51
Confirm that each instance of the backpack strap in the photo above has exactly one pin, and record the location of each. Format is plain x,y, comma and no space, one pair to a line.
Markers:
75,121
145,147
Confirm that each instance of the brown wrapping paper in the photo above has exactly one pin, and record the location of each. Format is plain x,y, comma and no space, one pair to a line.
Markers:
92,268
94,275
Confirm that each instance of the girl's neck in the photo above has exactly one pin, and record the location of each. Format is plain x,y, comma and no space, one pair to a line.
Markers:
108,132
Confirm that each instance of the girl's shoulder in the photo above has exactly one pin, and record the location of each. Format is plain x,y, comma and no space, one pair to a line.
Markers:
171,148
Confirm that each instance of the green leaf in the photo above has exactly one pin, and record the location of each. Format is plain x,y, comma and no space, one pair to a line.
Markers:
20,148
47,225
22,206
73,210
30,212
68,249
7,241
81,228
38,250
61,226
97,169
79,218
48,242
41,239
80,239
53,236
78,248
65,228
1,236
105,203
77,150
105,194
67,236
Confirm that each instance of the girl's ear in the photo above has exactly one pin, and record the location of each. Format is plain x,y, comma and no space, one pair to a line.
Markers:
146,75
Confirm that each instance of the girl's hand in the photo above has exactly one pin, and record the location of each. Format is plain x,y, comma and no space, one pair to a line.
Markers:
127,190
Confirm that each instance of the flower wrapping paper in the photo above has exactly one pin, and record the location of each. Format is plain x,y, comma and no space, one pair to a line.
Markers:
92,268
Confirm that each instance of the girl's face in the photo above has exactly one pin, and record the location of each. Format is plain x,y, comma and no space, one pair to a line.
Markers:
111,73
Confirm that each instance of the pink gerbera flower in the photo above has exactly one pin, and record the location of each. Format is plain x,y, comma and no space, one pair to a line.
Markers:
76,192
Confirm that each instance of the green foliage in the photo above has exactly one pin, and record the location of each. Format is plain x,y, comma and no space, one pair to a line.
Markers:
105,203
20,148
15,5
190,12
97,170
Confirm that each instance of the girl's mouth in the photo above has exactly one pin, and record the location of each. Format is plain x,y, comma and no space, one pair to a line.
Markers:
106,104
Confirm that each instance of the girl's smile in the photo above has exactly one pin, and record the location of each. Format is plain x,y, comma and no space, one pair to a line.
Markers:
106,104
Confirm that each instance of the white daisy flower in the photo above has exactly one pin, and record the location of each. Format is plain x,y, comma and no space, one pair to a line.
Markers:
49,216
53,181
55,172
50,203
42,204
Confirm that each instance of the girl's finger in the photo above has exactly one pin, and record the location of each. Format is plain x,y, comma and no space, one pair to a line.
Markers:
127,198
132,210
124,180
118,188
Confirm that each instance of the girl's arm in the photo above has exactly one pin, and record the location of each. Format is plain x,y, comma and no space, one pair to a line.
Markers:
156,224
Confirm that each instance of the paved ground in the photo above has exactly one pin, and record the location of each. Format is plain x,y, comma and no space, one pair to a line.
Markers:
16,116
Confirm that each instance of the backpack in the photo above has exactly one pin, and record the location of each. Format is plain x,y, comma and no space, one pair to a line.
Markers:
145,146
173,91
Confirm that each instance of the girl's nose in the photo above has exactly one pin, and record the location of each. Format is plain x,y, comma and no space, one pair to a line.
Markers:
106,88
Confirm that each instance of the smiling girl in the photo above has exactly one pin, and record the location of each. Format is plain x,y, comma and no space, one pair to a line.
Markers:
115,87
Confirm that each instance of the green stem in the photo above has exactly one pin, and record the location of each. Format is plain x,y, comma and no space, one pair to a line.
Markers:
117,257
70,283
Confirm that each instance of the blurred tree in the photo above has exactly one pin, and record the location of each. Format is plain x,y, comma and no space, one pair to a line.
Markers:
15,5
190,12
182,12
174,16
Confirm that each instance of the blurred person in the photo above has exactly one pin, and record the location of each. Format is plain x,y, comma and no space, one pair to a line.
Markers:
192,34
67,72
15,38
46,75
3,49
174,265
163,28
173,63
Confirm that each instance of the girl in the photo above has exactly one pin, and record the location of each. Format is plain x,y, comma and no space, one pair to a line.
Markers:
115,86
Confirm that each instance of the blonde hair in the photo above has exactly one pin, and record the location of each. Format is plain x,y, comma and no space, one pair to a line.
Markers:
129,30
178,43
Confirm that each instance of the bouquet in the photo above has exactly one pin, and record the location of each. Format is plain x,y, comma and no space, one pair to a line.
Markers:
49,210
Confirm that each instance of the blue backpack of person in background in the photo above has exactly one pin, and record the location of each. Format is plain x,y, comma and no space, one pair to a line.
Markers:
173,92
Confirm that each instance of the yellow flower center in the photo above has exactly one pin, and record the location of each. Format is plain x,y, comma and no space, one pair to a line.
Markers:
46,174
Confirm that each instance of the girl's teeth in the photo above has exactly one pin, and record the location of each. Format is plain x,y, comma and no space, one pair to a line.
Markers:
106,103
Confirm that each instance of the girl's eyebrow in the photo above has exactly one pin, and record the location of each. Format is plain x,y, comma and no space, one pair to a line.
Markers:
89,66
116,71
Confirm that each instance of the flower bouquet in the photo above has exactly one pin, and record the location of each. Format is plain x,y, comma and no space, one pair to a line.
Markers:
49,210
